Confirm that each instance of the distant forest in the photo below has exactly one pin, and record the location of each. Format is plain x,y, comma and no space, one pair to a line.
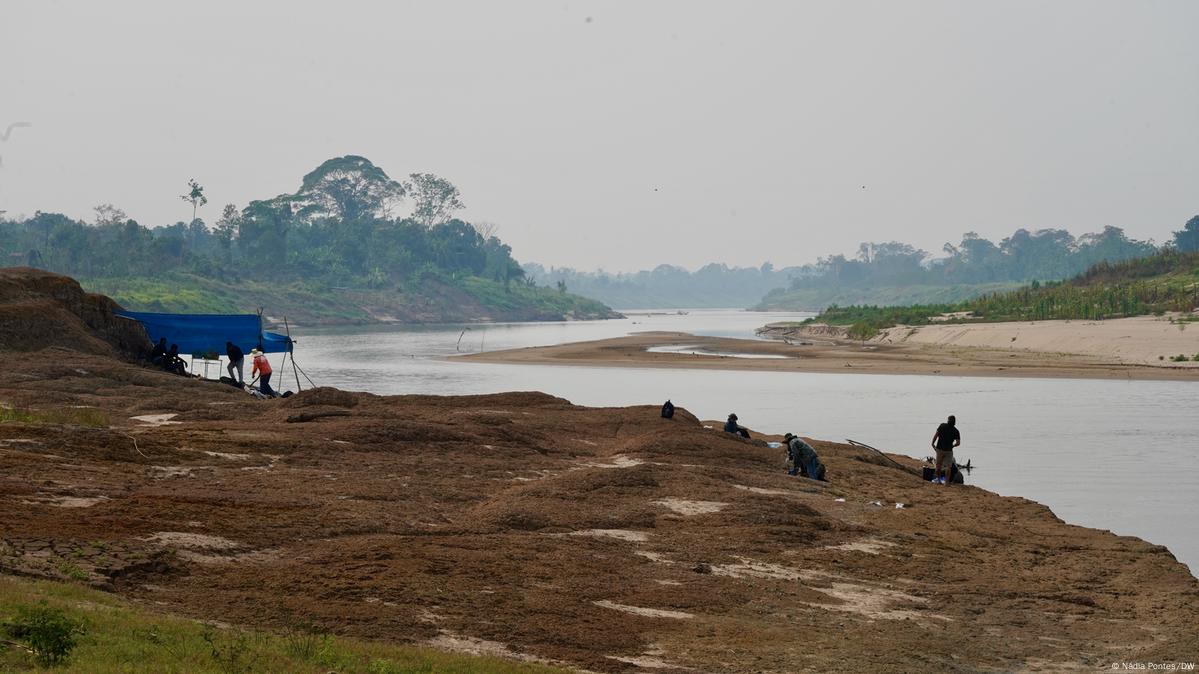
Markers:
712,286
338,229
1047,254
886,273
1167,281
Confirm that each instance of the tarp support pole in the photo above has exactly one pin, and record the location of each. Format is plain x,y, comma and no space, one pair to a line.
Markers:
290,347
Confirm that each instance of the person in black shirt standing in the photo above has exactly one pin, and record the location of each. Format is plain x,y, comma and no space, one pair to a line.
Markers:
944,440
237,361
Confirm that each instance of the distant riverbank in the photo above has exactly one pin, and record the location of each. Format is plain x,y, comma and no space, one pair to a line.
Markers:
824,349
433,299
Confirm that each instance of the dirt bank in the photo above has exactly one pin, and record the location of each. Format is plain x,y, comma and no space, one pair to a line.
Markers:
608,539
40,309
827,350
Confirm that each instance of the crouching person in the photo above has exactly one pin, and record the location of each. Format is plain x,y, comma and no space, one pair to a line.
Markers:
803,458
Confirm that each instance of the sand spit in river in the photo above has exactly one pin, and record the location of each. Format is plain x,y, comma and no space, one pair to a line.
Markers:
1113,349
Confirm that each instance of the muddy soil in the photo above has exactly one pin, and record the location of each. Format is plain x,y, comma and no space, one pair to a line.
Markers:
606,539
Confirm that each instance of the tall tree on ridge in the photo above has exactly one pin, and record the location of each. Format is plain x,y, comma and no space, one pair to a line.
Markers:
195,196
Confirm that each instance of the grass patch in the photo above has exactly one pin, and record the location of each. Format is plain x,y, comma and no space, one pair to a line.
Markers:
77,416
108,635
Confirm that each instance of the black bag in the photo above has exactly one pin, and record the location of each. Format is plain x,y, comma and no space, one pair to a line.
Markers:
929,473
668,410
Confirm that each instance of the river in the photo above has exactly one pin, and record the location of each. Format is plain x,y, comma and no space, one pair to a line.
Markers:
1109,454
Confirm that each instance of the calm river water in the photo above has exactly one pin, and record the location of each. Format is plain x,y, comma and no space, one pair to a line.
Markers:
1119,455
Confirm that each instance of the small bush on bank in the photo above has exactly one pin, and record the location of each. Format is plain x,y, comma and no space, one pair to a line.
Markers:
48,632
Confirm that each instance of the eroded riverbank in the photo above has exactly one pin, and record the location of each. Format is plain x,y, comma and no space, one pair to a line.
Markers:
600,538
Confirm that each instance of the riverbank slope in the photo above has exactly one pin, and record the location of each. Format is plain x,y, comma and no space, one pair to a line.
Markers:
520,525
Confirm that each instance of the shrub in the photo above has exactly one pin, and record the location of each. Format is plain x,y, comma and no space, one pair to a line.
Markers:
49,632
233,653
72,571
305,641
862,330
1180,358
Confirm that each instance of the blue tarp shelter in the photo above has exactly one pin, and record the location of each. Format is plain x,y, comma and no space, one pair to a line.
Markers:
207,333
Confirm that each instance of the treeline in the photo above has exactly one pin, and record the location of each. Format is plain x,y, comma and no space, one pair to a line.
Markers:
1166,281
880,272
895,273
666,286
340,228
1047,254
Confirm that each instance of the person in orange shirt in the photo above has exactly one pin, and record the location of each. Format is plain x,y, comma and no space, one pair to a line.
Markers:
262,367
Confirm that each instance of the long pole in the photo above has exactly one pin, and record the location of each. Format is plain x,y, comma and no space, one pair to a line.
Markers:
290,349
895,463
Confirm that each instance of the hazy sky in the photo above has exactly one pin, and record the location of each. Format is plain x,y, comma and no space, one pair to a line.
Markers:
624,134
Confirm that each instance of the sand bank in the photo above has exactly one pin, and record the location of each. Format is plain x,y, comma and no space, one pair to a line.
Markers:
1143,340
933,350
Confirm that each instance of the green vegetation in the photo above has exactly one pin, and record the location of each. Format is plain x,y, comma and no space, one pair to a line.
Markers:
894,273
332,251
431,297
47,633
815,299
79,416
1168,281
75,629
887,273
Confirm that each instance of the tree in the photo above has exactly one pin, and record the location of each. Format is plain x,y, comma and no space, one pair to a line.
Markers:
1187,239
226,228
195,196
262,233
435,199
108,215
345,188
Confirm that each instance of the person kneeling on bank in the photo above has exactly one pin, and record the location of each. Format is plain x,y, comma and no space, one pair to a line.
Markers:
803,458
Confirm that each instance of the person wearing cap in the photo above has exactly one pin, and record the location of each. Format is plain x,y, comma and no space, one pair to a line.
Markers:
731,426
804,460
262,369
237,361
